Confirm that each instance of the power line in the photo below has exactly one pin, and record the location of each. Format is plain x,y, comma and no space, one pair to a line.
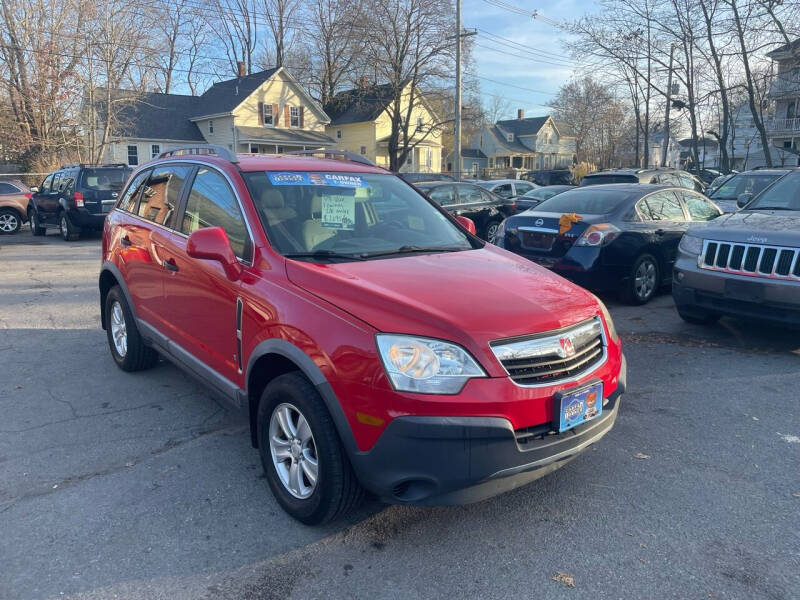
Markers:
519,87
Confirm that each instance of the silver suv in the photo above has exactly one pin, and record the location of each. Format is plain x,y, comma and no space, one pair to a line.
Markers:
744,264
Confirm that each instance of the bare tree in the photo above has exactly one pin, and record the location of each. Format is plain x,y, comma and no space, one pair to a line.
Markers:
235,25
279,15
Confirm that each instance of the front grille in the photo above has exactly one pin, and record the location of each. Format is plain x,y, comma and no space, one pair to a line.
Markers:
757,260
554,356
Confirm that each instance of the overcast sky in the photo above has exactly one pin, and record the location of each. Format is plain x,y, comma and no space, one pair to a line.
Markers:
535,58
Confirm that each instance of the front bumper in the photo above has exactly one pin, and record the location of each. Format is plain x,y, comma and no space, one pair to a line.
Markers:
458,460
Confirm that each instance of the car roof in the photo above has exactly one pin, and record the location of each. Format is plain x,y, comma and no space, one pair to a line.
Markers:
641,188
277,162
775,171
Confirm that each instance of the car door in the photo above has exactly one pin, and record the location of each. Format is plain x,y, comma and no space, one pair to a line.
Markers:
200,300
47,199
663,212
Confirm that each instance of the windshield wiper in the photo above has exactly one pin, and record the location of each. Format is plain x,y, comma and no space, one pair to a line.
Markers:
324,254
410,250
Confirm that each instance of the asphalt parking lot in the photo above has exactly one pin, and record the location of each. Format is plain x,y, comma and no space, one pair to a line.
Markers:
116,485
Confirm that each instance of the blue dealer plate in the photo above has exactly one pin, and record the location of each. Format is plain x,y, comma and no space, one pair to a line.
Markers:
580,406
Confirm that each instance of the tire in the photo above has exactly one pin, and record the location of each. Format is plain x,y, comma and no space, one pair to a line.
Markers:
135,355
699,317
643,281
36,227
69,232
491,231
336,490
10,221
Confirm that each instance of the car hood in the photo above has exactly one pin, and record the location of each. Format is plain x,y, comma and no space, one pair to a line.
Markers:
470,297
771,227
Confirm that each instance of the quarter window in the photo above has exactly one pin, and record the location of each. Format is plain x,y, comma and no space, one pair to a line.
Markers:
7,188
294,116
211,203
133,156
699,208
128,200
161,193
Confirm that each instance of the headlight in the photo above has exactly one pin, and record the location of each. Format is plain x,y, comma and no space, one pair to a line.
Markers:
425,365
691,244
612,331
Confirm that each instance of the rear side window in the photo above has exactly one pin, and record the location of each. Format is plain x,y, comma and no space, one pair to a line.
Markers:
661,206
7,188
211,203
699,208
103,179
131,195
504,191
160,196
444,195
469,195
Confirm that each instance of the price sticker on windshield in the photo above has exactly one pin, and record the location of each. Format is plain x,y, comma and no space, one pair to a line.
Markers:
339,212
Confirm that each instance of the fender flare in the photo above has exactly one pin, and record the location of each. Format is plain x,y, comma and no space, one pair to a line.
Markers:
110,267
310,369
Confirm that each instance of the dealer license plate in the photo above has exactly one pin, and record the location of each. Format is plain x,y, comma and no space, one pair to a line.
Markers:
579,406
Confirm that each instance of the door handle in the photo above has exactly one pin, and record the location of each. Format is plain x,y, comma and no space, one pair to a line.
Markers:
170,265
125,242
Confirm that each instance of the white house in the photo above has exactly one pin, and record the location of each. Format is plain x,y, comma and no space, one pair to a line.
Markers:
784,128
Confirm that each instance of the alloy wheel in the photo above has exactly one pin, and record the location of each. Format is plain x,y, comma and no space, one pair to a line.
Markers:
645,279
8,223
119,331
491,233
294,453
64,227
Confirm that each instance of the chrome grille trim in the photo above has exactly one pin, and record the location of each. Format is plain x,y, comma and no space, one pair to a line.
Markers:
544,352
737,258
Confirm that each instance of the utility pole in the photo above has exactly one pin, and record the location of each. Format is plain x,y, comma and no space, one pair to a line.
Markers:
457,120
665,145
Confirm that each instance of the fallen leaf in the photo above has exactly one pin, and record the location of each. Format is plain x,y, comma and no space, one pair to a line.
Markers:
796,494
755,418
641,456
565,578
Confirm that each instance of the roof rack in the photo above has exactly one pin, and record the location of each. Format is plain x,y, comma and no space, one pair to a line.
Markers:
220,151
352,156
83,165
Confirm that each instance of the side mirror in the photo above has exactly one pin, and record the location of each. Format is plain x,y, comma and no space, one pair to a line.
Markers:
211,243
34,189
467,224
744,199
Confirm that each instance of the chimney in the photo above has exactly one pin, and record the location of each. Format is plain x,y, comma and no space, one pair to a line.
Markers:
520,113
240,66
362,82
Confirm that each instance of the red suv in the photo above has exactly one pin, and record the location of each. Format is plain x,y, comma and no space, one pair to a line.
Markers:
375,341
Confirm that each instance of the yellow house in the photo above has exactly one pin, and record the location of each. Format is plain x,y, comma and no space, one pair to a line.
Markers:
265,112
361,123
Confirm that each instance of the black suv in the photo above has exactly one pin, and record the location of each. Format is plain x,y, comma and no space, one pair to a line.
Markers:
550,177
75,198
654,175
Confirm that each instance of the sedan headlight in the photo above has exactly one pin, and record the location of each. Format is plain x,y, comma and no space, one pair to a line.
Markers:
426,366
612,330
691,244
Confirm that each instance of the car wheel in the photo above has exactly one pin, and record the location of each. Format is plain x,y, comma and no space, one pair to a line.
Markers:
305,463
699,317
643,281
10,221
127,347
33,221
68,231
491,232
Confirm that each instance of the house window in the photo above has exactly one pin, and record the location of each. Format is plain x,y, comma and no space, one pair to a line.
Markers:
268,115
410,159
363,150
133,156
491,162
420,123
338,134
428,157
155,150
210,126
474,169
509,137
253,149
294,116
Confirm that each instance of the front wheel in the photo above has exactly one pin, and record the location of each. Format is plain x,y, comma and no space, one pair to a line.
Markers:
68,231
643,281
305,463
10,221
36,227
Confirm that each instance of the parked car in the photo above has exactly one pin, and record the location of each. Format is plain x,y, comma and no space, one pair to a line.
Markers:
75,198
706,175
336,305
655,176
718,181
747,182
14,197
745,264
417,177
550,177
534,197
469,200
508,188
618,237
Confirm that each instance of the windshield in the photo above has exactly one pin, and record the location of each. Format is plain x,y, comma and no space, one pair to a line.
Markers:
743,183
327,216
784,195
597,201
602,179
104,179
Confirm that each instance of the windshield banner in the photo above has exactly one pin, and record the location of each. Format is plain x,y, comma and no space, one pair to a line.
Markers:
341,180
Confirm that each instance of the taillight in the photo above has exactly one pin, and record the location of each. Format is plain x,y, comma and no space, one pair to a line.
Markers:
514,205
78,199
29,195
598,235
